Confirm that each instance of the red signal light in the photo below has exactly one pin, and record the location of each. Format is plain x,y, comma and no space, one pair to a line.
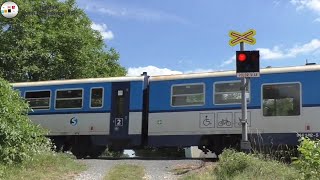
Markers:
247,61
242,57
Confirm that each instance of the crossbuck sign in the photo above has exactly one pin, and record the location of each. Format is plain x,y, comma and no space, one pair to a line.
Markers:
246,37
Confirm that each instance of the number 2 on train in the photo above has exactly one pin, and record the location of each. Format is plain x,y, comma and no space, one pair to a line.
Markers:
119,121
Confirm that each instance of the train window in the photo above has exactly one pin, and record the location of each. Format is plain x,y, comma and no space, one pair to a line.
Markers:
69,99
281,99
96,97
228,92
38,99
187,95
120,104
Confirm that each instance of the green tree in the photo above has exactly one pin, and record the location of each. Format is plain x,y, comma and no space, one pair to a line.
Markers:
20,139
53,40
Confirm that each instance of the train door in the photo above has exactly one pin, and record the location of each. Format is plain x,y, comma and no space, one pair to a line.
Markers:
119,117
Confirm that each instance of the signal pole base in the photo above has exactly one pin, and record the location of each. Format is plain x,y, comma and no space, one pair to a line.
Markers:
245,146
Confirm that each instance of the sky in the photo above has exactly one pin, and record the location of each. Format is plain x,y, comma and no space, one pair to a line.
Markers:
188,36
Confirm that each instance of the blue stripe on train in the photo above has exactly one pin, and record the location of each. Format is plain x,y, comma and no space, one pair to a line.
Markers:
222,108
43,112
203,109
76,112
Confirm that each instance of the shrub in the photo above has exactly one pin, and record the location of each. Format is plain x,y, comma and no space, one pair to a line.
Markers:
238,165
113,153
308,163
20,139
47,166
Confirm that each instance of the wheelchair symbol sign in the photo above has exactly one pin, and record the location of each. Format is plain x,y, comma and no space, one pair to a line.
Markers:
118,121
206,120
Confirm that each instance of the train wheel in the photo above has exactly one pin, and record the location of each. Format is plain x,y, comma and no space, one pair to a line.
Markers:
80,146
78,154
94,155
203,145
96,151
57,143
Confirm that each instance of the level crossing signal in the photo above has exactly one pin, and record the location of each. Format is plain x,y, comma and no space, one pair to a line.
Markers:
248,63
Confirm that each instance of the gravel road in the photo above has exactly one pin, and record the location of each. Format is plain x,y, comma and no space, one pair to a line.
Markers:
155,169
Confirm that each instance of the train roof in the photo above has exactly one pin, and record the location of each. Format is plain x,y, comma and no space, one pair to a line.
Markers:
78,81
273,70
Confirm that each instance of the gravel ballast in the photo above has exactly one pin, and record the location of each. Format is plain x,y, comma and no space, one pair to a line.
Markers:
154,169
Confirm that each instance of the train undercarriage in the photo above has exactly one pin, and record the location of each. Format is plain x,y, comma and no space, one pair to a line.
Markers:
80,146
218,142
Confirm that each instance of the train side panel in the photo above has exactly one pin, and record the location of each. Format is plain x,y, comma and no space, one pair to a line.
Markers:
187,125
73,121
136,108
87,124
112,117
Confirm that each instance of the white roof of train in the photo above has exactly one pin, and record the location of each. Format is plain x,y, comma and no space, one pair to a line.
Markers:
168,77
78,81
233,73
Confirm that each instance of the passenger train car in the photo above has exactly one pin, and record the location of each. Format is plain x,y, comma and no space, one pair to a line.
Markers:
86,115
204,110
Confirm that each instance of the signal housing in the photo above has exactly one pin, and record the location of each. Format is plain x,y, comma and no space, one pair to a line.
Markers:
248,61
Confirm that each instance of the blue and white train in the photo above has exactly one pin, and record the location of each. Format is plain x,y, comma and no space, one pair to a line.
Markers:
87,115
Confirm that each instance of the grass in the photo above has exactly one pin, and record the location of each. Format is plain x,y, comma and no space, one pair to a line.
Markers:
206,173
125,171
238,166
44,167
186,168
